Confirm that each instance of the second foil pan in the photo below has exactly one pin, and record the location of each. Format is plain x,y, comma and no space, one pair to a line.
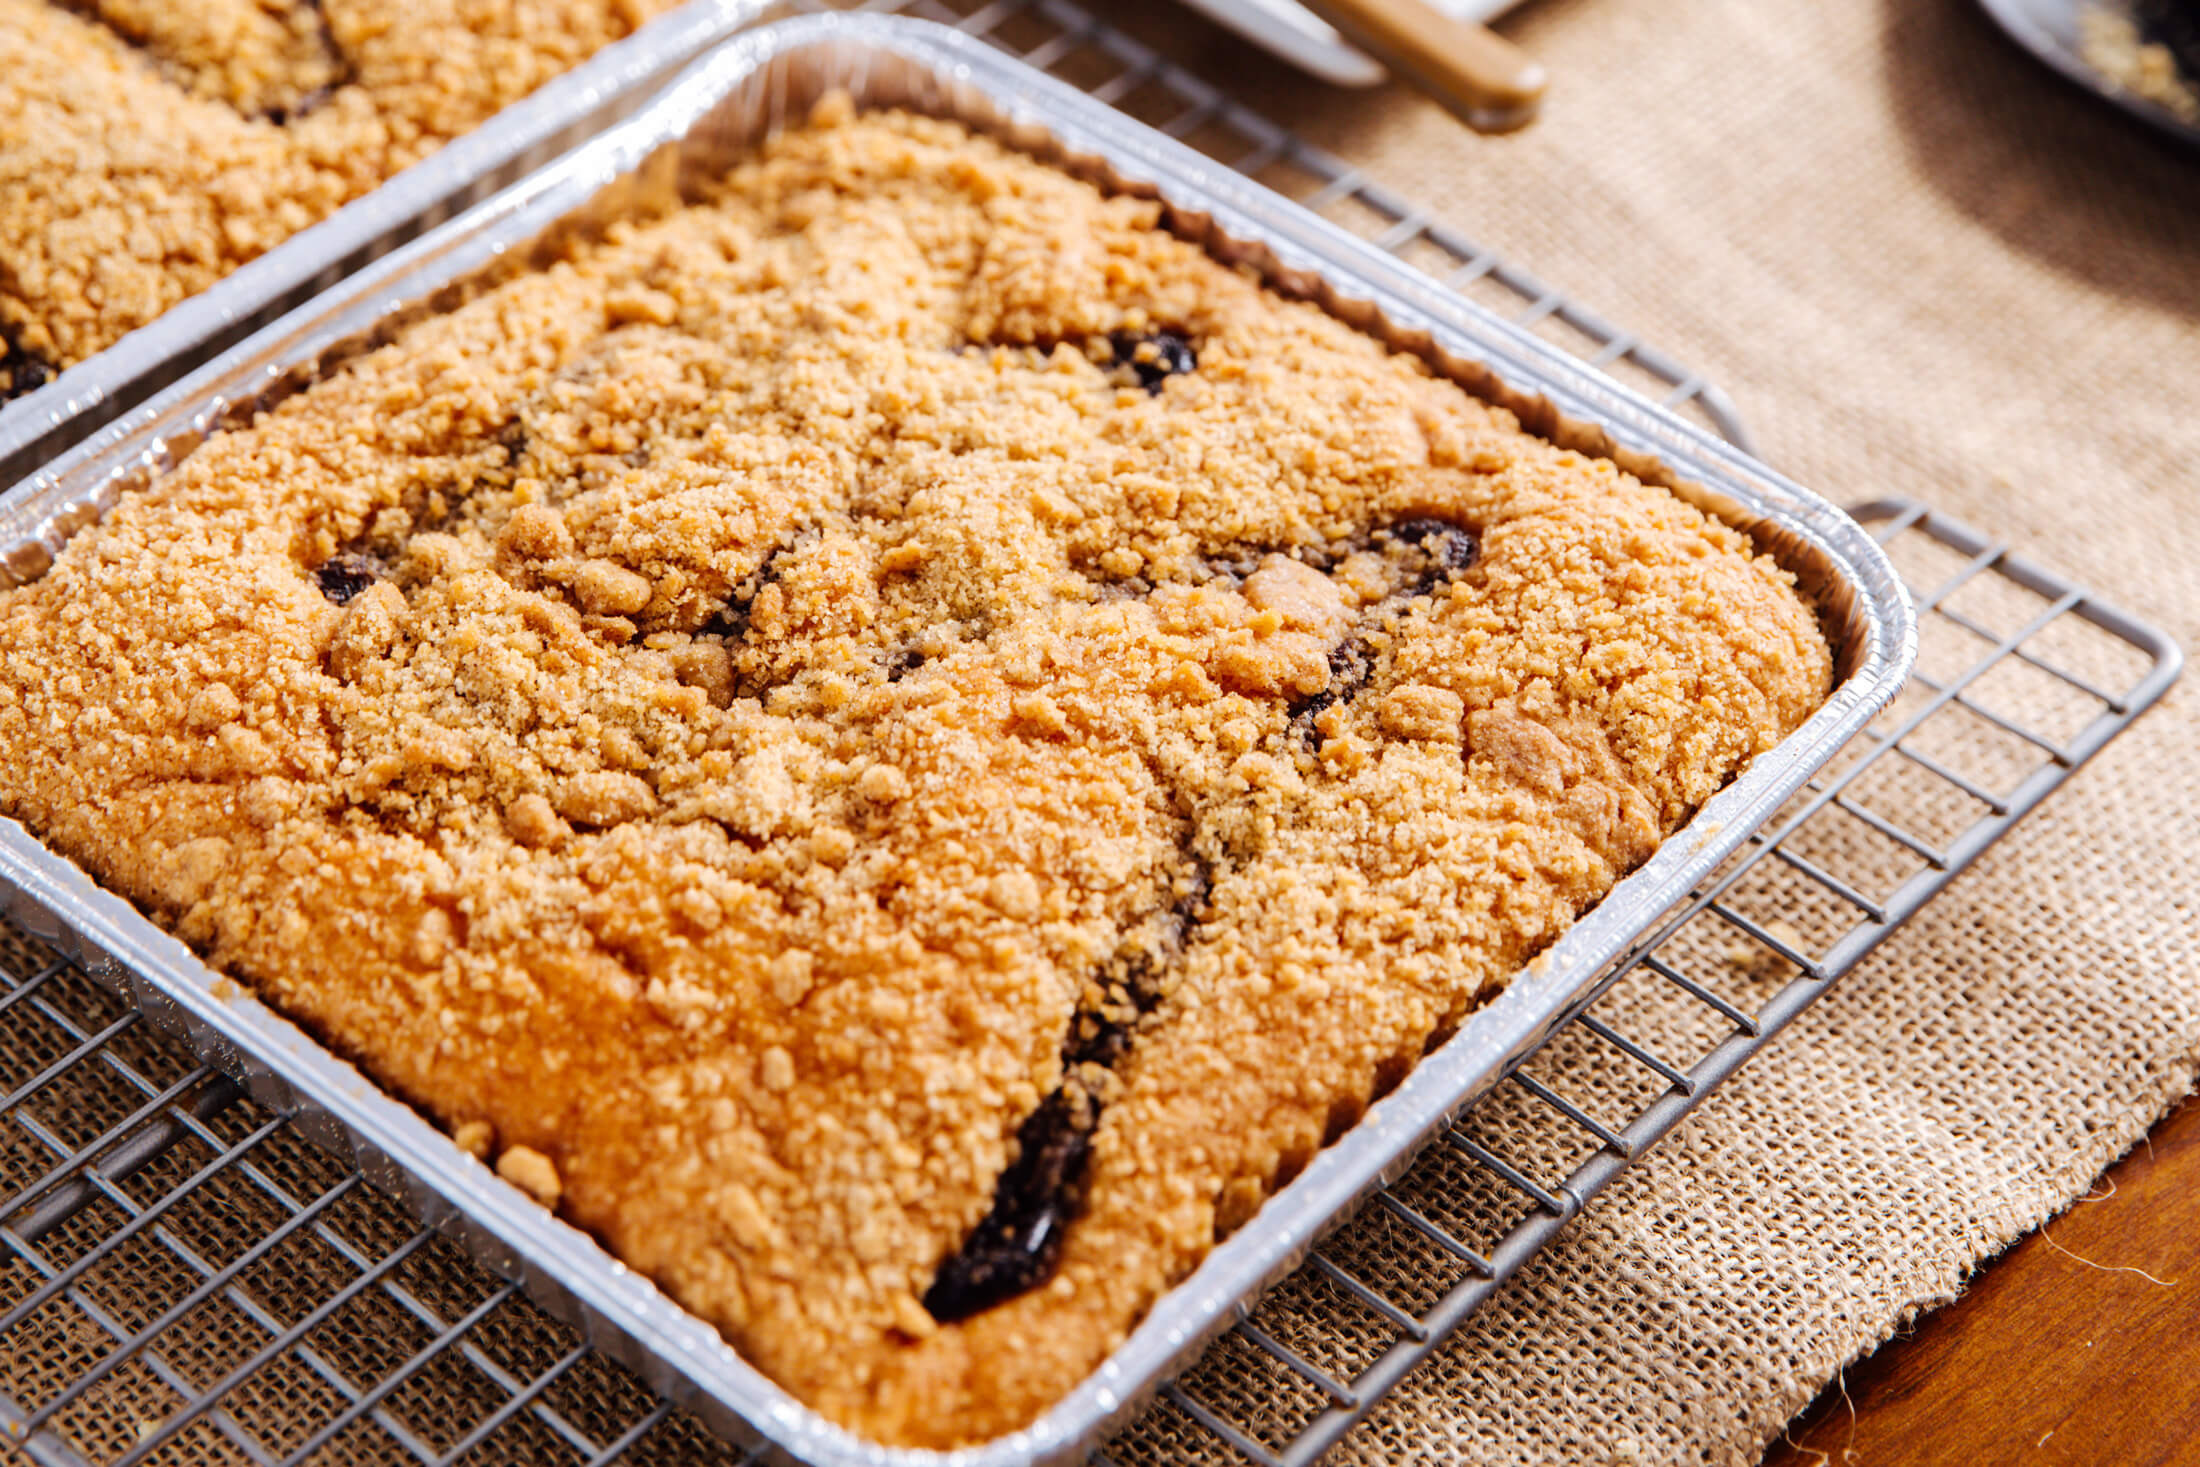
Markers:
560,113
722,106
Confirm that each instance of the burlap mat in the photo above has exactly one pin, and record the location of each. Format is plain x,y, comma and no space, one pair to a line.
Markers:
1920,266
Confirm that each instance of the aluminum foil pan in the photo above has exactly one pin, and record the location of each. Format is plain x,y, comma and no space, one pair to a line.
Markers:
559,114
721,106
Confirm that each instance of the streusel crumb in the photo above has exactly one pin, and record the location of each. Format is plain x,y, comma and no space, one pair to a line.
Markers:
150,147
917,742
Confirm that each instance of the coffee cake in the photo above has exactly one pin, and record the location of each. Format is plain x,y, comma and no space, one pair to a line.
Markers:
897,743
150,147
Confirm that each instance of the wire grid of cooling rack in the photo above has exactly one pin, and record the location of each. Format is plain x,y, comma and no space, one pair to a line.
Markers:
184,1277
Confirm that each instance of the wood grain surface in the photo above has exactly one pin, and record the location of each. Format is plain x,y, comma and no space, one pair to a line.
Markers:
2080,1345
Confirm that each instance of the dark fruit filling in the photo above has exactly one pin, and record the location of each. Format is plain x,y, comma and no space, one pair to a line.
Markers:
1019,1241
1155,358
1445,549
22,371
345,575
22,374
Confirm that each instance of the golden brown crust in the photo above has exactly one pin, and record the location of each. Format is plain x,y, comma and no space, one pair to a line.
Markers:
150,147
784,662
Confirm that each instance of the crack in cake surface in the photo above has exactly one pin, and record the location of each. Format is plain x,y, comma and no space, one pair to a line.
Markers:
1416,557
1018,1242
272,62
1015,1246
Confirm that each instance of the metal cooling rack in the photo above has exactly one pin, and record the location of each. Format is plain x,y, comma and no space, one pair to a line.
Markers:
186,1277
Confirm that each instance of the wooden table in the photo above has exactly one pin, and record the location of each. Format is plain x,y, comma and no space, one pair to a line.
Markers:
2063,1350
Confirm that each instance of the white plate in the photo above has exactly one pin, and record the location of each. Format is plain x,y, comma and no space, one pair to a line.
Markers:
1310,43
2049,30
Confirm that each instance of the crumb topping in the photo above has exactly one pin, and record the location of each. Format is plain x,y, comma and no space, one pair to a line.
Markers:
776,725
150,147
